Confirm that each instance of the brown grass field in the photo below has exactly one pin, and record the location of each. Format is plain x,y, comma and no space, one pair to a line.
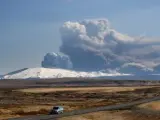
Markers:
114,115
35,101
82,89
123,114
151,106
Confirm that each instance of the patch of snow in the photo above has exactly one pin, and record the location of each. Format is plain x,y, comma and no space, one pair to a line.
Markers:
39,73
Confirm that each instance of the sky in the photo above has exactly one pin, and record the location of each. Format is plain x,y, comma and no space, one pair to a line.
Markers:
30,28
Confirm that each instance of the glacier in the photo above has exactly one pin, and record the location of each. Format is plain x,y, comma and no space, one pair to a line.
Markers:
47,73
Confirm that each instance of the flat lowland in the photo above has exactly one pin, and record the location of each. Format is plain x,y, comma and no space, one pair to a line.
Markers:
83,89
35,100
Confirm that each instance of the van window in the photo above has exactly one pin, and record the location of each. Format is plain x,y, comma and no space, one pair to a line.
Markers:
55,108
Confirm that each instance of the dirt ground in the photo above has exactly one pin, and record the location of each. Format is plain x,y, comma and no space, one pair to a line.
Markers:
36,101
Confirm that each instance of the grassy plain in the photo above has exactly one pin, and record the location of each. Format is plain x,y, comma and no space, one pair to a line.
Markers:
83,89
155,106
114,115
20,102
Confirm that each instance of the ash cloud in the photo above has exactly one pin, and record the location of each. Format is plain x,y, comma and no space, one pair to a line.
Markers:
95,45
58,60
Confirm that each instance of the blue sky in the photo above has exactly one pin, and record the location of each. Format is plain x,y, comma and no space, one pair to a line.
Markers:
30,28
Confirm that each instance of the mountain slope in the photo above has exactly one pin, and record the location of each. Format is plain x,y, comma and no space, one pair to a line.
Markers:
35,73
17,71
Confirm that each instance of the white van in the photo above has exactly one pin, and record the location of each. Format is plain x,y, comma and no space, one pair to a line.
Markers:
56,110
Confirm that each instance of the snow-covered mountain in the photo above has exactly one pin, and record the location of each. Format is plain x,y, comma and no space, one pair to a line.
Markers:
38,73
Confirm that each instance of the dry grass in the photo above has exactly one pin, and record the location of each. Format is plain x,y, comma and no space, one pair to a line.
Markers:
15,103
83,89
23,111
113,115
155,106
96,116
7,116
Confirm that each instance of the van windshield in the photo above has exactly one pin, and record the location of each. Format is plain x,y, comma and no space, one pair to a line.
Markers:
55,108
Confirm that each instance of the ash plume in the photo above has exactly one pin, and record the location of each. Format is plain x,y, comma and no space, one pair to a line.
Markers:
95,45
